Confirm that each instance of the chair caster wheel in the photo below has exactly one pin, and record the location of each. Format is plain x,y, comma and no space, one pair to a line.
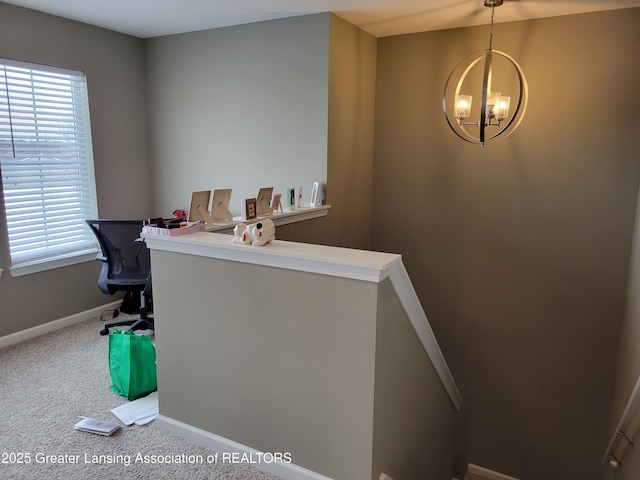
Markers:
104,331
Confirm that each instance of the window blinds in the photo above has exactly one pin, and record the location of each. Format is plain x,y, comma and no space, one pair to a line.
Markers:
46,162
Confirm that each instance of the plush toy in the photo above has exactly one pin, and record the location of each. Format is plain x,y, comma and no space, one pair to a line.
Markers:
259,233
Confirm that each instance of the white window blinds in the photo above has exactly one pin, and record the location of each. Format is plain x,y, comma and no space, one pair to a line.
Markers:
46,162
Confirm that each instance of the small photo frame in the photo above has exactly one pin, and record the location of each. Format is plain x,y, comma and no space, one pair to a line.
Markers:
263,201
250,210
199,199
315,195
220,205
276,203
291,198
299,197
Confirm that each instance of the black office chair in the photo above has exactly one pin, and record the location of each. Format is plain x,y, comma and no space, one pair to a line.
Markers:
126,267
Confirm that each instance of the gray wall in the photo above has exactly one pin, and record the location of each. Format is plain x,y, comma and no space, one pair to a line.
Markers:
343,382
330,139
310,361
242,108
302,89
519,251
114,65
352,81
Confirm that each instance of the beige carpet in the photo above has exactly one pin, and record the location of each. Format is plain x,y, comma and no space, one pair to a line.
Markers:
47,382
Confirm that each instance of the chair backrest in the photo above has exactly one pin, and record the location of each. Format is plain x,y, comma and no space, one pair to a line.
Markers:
121,245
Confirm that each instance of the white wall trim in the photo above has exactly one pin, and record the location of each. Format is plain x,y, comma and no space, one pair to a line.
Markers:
411,304
288,471
490,474
54,325
305,257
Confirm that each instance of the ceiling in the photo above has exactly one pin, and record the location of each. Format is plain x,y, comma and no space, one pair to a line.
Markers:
381,18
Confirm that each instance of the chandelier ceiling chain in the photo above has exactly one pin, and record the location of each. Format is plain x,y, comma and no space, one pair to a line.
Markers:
494,107
493,9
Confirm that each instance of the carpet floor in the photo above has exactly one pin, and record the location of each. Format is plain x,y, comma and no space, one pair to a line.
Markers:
47,382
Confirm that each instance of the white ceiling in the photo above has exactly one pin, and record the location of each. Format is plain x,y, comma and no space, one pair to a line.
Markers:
381,18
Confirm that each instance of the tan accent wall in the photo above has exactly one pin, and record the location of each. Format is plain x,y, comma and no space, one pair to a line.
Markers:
520,250
414,420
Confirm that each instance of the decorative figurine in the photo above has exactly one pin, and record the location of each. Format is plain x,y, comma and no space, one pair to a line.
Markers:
259,233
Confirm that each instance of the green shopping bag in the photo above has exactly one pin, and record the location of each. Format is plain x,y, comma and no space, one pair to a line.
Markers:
132,364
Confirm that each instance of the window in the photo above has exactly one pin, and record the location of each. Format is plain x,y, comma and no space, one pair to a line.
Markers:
46,162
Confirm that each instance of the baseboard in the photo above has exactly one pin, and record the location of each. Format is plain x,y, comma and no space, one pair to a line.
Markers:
49,327
288,471
490,474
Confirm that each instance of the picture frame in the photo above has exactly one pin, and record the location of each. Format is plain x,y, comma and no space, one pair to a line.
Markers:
291,198
315,195
250,210
220,205
199,199
263,201
276,203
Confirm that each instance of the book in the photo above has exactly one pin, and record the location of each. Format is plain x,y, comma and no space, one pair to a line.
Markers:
99,427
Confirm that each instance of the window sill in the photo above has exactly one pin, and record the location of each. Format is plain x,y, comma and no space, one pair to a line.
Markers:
50,264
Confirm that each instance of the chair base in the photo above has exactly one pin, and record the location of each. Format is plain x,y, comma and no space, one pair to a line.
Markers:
130,302
143,322
133,323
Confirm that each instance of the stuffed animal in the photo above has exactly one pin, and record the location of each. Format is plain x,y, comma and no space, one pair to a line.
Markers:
259,233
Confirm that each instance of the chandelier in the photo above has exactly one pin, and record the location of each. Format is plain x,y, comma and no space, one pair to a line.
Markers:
498,116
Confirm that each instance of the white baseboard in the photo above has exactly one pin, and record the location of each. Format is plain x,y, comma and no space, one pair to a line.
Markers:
288,471
490,474
49,327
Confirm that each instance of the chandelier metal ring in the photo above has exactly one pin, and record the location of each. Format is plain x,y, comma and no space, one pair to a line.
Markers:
494,107
512,122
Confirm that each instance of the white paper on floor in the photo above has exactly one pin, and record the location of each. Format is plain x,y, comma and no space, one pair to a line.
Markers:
140,411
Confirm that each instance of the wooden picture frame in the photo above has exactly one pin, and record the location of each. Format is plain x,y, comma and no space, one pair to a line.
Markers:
220,205
199,199
276,203
263,200
250,210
